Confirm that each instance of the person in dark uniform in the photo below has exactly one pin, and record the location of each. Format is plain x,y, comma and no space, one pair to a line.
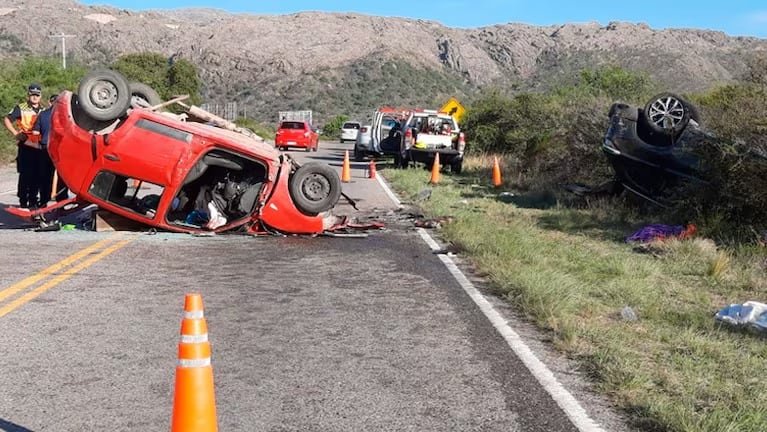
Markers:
47,170
19,123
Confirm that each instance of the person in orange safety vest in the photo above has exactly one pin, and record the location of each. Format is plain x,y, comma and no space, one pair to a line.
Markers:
19,123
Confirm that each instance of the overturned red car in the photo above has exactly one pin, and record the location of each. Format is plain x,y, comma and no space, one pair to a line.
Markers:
190,172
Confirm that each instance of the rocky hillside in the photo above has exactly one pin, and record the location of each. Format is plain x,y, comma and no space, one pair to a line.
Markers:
351,63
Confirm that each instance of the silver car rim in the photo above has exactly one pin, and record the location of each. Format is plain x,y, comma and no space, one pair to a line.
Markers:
315,187
103,94
666,112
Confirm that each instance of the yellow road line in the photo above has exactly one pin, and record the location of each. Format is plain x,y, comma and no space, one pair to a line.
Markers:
64,276
18,286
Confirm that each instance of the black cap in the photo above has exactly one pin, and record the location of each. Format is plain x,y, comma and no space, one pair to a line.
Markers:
35,89
53,98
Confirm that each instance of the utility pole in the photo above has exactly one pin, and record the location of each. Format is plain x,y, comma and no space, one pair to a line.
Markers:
63,47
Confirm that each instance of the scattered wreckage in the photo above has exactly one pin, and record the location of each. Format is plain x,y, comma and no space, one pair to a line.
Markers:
193,172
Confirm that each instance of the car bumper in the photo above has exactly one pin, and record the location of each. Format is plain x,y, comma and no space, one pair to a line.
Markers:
446,156
291,143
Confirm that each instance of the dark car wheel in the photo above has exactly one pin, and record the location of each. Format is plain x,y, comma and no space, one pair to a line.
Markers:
83,120
456,167
316,146
104,95
667,114
358,155
315,187
143,96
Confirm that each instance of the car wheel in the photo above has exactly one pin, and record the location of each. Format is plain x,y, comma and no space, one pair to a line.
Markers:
308,149
456,167
104,95
143,96
358,155
83,120
667,114
316,147
315,187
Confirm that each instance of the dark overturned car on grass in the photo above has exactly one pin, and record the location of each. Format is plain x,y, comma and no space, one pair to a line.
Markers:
654,148
193,172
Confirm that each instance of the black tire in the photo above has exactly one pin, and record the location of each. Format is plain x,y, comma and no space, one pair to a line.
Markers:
315,187
83,120
342,140
358,155
104,95
143,96
456,167
667,114
316,147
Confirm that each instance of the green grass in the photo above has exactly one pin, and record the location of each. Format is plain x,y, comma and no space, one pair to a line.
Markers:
569,270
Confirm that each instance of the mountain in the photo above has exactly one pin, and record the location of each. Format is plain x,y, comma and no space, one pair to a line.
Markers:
351,63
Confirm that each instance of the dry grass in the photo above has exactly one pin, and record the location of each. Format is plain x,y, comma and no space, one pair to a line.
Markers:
570,270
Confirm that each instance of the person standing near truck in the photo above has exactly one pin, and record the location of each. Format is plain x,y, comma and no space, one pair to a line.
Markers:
19,123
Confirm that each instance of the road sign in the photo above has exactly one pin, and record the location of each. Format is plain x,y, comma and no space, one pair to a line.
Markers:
454,108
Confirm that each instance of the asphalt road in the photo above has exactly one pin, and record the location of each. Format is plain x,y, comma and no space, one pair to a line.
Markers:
307,333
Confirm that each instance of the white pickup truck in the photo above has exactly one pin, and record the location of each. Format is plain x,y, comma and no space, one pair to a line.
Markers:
417,136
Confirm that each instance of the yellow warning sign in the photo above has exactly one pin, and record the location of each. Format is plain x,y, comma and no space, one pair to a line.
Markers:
454,108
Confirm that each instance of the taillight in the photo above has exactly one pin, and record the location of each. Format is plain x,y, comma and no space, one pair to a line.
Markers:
461,142
408,138
363,130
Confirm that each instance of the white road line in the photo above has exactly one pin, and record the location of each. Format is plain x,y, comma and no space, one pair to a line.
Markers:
537,368
388,191
540,371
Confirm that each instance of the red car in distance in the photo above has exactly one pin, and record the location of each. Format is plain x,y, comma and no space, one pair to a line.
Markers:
296,133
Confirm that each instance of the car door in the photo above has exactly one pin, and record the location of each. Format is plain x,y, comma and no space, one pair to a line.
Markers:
145,148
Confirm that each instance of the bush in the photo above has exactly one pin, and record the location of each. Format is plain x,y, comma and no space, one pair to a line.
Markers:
556,136
734,162
333,127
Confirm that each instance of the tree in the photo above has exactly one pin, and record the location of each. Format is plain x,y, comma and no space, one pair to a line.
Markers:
332,127
169,77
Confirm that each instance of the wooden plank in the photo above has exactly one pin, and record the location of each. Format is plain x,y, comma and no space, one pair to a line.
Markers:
107,221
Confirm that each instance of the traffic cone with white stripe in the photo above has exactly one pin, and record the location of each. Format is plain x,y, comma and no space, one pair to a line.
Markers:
194,403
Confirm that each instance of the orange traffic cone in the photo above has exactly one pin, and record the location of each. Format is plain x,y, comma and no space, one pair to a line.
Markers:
435,170
372,169
346,174
497,181
194,404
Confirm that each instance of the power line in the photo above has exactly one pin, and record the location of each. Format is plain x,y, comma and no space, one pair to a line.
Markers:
63,47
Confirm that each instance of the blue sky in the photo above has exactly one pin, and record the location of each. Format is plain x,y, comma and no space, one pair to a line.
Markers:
734,17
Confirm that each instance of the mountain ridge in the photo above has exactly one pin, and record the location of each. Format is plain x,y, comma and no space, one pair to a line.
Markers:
261,61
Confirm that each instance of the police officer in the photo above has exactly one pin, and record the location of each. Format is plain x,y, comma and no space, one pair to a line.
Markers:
47,169
19,123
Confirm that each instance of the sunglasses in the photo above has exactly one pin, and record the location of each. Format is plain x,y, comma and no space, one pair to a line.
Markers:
34,94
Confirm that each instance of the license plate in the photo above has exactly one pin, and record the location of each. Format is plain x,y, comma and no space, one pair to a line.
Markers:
291,143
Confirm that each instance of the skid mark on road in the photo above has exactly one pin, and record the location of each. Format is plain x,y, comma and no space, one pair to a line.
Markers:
60,272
